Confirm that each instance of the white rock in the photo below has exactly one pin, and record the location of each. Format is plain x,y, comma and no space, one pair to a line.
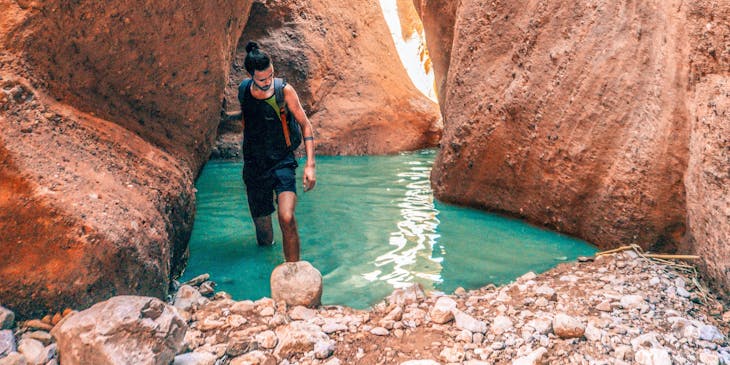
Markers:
623,352
379,331
501,325
14,358
467,322
654,281
442,311
243,307
451,355
410,294
297,338
195,358
545,291
565,326
709,358
33,350
527,277
123,329
631,301
464,336
297,283
604,306
682,292
7,342
542,325
188,297
420,362
267,339
302,313
255,357
710,333
323,349
592,333
654,356
533,358
647,340
332,327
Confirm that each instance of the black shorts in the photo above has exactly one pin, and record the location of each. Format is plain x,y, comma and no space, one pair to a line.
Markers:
260,187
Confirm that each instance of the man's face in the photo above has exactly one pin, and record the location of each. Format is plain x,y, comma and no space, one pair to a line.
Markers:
263,79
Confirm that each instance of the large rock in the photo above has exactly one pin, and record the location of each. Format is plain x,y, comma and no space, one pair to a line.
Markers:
341,59
595,120
298,338
297,283
105,123
121,330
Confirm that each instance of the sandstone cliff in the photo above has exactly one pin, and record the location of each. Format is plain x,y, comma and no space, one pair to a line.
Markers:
607,121
343,63
107,112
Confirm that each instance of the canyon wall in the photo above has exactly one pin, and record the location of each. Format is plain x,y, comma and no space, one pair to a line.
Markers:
107,111
341,59
606,121
708,174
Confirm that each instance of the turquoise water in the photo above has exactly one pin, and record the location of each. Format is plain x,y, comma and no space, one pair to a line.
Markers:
370,225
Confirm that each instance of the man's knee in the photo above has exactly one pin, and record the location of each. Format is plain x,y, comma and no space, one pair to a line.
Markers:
286,218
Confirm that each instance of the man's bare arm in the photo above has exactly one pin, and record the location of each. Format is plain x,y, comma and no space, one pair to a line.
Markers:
295,107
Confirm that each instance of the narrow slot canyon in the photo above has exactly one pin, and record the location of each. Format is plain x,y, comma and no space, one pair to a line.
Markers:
600,125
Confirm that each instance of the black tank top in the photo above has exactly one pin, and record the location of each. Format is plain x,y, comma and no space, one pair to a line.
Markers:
264,145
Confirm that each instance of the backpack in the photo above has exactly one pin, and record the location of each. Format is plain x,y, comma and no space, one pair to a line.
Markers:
292,130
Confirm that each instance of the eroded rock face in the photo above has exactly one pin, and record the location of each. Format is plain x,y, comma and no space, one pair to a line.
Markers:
594,119
707,178
107,112
341,59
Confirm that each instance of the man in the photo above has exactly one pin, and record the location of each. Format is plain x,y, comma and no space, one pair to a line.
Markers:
268,164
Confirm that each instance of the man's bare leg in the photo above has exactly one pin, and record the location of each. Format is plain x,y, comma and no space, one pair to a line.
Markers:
287,202
264,230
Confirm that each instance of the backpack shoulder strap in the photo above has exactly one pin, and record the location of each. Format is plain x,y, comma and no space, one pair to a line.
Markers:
242,88
279,85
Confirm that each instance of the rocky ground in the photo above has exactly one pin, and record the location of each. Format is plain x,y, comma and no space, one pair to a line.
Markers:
617,309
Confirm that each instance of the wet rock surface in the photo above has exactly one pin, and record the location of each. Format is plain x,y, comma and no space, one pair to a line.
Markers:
647,320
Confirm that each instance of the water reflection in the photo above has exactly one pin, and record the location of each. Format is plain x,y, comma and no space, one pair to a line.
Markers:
415,238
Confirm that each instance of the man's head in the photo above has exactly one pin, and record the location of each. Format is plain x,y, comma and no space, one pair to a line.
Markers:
258,65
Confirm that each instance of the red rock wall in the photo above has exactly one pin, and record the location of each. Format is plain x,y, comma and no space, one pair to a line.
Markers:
707,178
592,118
342,61
156,68
107,112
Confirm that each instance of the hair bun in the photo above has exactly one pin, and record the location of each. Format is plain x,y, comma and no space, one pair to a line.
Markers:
251,45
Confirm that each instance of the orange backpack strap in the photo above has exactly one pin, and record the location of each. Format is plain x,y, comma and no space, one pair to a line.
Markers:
279,93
